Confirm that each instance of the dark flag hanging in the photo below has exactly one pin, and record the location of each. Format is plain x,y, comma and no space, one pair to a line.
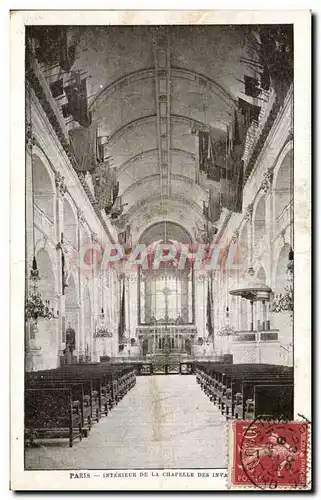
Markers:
214,208
252,87
48,43
100,150
115,190
65,110
209,310
213,171
76,94
57,88
203,138
83,141
104,179
67,54
232,184
265,78
122,313
250,111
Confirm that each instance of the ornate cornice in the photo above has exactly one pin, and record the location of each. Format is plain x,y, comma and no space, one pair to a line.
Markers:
277,105
54,122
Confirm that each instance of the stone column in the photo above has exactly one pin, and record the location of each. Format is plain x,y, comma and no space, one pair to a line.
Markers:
61,189
32,349
81,328
267,188
148,300
184,298
248,218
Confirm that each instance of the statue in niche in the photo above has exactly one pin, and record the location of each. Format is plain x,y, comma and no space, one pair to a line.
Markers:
70,344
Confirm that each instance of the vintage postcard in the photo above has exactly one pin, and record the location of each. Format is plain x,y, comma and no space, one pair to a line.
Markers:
160,246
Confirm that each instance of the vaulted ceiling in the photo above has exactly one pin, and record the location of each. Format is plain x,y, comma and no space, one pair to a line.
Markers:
148,86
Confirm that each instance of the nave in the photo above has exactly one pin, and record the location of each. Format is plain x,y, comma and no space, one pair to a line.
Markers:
162,422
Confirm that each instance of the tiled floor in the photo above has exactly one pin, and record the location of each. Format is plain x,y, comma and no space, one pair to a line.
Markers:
163,422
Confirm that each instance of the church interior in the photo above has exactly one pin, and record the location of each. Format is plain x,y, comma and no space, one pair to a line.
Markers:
159,240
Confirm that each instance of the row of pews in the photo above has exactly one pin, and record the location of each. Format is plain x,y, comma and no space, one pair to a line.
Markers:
65,402
248,391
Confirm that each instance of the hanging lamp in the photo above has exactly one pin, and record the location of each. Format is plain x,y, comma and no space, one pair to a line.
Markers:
35,306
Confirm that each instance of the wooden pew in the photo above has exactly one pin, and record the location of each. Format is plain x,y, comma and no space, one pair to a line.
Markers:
246,408
92,398
274,401
51,413
223,384
80,391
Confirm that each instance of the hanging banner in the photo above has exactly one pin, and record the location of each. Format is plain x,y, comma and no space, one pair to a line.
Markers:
67,51
83,142
214,208
252,87
250,111
209,309
76,94
57,88
122,314
104,179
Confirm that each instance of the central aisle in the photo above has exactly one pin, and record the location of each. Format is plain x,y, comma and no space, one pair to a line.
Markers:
163,422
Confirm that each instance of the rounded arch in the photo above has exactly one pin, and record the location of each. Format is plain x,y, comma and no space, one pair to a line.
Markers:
72,307
259,223
174,231
154,152
280,277
47,329
288,148
149,73
43,185
261,275
88,327
283,182
243,247
70,223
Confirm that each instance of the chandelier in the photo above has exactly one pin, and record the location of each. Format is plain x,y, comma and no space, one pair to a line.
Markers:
102,331
36,307
284,301
227,330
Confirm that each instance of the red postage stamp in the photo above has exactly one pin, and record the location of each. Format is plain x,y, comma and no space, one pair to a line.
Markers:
269,454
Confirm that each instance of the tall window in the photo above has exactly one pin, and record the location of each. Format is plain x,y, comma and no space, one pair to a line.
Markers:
166,297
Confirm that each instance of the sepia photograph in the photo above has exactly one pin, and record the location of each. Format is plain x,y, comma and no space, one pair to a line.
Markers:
160,253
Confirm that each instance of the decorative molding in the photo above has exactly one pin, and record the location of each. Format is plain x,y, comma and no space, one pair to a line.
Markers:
94,237
235,236
30,138
33,78
276,110
60,184
267,180
248,213
146,120
149,74
81,217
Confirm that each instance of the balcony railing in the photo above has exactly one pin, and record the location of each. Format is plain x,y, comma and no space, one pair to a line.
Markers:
257,336
43,221
284,218
166,329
